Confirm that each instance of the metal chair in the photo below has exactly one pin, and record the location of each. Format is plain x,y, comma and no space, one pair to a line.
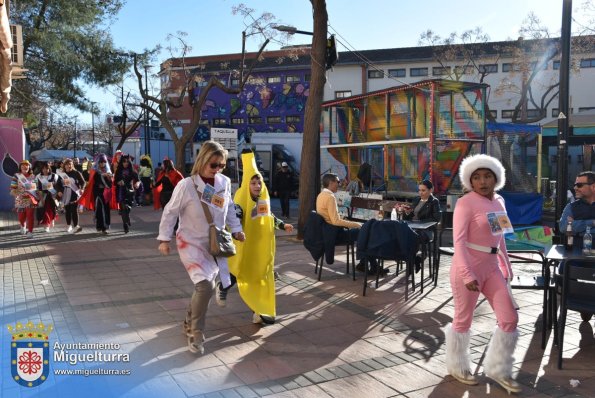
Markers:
317,245
578,294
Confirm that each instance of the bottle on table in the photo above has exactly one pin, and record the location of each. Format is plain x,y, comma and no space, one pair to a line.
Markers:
393,214
587,242
568,237
380,215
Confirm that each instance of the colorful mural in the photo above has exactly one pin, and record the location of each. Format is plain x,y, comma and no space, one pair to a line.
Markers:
273,103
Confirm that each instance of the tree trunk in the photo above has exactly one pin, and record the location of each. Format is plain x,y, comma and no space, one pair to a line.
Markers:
310,176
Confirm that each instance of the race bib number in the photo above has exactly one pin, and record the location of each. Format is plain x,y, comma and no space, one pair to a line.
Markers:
211,198
262,209
499,223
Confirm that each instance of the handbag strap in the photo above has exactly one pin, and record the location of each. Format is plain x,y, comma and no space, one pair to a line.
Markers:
205,208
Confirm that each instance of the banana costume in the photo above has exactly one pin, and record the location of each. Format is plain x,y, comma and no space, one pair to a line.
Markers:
255,257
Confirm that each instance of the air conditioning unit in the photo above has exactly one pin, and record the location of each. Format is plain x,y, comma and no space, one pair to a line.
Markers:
17,45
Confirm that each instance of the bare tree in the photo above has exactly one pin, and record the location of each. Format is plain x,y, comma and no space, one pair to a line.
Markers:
309,180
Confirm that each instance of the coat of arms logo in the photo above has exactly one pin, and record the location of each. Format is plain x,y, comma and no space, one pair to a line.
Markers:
30,353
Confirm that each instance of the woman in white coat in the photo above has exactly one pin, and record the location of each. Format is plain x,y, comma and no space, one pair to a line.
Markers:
192,236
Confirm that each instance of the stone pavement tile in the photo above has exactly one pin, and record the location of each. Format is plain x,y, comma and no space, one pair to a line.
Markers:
313,391
164,386
359,350
161,330
207,380
239,352
354,386
82,298
328,336
400,377
264,368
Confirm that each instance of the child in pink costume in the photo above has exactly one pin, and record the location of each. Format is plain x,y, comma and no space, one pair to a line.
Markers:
483,268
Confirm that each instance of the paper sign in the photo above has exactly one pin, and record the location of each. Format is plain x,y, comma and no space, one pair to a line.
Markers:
499,223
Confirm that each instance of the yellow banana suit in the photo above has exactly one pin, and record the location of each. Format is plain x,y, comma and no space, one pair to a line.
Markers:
255,257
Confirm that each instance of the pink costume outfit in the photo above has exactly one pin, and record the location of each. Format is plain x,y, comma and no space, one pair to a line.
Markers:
470,224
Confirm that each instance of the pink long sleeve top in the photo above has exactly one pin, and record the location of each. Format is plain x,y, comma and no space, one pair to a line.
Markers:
471,224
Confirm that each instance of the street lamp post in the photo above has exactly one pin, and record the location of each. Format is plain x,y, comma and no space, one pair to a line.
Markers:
563,97
93,128
75,134
147,138
292,30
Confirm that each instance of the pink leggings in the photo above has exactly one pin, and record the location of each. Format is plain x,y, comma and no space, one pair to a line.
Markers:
27,215
493,287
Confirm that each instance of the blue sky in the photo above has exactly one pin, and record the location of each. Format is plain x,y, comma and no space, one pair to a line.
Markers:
212,29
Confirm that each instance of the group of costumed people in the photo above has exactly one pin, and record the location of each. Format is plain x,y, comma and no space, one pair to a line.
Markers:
252,225
44,193
108,190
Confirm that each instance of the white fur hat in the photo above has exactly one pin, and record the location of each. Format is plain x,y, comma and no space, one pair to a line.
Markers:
474,162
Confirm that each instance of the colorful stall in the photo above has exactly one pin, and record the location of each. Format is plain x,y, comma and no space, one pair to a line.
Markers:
405,134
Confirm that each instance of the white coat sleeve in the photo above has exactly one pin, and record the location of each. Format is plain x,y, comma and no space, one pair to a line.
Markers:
171,212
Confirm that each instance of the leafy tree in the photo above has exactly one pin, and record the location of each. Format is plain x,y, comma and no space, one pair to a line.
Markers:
66,43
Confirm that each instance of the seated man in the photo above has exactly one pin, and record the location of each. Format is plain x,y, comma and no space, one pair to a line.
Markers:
580,213
326,206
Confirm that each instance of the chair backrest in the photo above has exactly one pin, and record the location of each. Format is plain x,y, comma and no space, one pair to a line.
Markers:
313,236
578,288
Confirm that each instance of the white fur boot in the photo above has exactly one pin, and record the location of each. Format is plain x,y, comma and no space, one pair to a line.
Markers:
457,356
499,360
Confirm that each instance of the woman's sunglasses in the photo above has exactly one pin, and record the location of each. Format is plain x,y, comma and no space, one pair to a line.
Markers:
217,165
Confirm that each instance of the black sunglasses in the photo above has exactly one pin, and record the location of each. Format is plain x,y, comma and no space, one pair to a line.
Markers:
582,184
217,165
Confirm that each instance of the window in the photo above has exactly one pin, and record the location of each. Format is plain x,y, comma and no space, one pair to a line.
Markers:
507,114
375,74
488,68
293,119
235,82
219,122
397,72
273,119
494,114
586,108
343,94
238,120
441,71
307,77
508,67
418,72
556,65
255,120
464,70
588,63
292,79
274,79
556,111
532,113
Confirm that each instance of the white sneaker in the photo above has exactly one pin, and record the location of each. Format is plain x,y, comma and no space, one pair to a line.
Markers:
23,230
78,228
47,229
70,230
29,235
256,319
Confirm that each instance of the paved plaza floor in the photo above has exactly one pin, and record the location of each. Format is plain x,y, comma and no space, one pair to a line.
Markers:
118,293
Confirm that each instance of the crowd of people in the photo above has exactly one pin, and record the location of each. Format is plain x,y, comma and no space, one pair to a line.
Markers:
45,190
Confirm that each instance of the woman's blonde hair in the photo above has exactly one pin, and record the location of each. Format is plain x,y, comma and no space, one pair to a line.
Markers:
207,150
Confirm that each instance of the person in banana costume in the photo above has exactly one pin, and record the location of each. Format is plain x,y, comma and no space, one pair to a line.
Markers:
252,266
